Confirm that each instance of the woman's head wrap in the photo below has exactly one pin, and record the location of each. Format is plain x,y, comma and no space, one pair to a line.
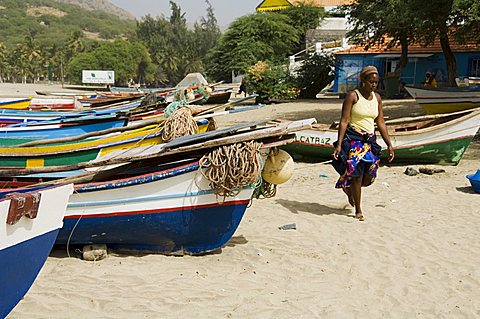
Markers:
368,70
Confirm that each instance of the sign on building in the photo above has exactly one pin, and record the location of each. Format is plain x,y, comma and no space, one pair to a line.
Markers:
95,76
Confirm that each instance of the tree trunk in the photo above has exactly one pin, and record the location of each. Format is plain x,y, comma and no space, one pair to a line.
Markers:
403,57
450,58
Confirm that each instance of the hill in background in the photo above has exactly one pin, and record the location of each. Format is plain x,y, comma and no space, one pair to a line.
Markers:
101,5
53,21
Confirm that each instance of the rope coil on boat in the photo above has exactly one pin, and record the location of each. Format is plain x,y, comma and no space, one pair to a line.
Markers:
180,123
230,168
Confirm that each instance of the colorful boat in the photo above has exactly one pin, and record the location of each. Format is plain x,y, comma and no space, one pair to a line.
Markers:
10,117
73,152
169,211
441,139
54,103
157,205
446,100
14,103
63,127
26,237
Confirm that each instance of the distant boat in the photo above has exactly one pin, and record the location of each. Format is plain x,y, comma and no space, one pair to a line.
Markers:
441,138
63,128
446,100
14,103
27,235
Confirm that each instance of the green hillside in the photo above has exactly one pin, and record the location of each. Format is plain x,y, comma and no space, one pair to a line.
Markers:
51,22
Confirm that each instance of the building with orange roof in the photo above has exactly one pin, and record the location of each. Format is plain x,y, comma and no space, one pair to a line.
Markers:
421,59
277,5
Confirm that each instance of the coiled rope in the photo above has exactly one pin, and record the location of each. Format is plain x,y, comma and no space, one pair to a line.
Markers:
180,123
230,168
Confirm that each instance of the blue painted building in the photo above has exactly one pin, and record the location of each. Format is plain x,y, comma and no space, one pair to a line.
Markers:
421,60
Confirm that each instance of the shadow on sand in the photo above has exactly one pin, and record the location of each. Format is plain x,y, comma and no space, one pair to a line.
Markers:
313,208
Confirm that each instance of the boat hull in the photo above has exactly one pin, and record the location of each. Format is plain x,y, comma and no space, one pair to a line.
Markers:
443,145
447,100
172,211
49,131
25,246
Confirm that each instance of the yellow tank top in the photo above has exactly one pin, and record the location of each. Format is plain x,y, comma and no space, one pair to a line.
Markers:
364,113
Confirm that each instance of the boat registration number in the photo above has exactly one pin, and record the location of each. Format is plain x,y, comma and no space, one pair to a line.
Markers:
313,140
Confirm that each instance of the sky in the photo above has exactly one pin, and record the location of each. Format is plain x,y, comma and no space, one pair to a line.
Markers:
225,10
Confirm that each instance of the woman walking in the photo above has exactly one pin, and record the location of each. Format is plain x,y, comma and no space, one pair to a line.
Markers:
356,154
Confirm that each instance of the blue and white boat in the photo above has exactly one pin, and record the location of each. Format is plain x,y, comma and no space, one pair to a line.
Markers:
29,223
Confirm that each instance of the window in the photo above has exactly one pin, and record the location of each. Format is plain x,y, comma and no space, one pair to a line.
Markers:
390,66
474,67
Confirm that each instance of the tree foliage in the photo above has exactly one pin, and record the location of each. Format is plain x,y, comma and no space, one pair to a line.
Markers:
129,60
52,22
252,38
271,83
373,20
304,17
316,72
412,21
176,49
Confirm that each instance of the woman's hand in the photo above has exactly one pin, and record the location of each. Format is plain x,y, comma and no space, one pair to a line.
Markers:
336,152
391,153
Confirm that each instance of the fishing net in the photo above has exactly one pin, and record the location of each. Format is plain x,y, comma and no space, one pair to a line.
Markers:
230,168
180,123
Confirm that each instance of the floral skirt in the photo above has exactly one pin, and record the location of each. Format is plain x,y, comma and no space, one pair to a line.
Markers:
360,156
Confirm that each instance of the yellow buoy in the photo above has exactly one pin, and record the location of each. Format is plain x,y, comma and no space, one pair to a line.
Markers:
278,168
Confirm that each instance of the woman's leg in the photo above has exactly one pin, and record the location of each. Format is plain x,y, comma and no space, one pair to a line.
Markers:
348,191
356,188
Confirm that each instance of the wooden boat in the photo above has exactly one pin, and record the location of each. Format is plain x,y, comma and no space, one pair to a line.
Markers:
63,128
26,237
72,152
219,97
446,100
156,205
14,103
9,116
441,138
169,211
54,103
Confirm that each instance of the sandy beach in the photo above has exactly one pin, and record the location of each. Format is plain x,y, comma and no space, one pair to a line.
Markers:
415,256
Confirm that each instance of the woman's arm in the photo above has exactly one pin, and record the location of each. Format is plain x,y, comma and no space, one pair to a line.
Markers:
382,128
350,99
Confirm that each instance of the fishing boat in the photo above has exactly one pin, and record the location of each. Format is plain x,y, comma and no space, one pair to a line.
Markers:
441,138
10,117
15,152
446,99
30,221
62,127
219,96
14,103
54,103
160,200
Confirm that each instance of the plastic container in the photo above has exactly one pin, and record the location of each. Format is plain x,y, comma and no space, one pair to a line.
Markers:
475,181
